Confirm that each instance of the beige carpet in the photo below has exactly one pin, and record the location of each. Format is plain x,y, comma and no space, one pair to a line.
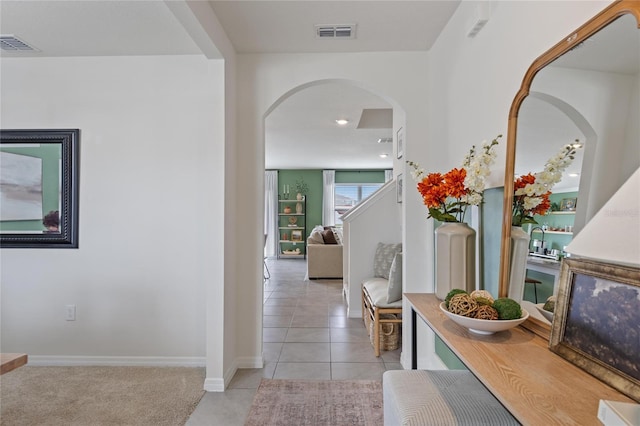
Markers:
87,396
317,402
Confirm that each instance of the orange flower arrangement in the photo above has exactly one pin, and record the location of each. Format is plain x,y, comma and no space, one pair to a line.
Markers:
531,192
448,195
436,188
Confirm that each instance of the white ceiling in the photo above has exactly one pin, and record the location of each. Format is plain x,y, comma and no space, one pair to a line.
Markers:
302,124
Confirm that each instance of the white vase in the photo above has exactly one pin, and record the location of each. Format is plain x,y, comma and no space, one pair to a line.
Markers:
455,258
299,196
299,208
518,262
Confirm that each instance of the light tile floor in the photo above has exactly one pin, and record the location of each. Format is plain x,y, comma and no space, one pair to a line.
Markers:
306,335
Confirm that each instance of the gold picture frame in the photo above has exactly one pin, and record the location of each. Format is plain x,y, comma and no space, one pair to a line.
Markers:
296,235
596,321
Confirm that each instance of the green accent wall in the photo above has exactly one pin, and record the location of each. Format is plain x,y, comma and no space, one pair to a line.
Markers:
51,155
491,239
359,176
314,179
447,356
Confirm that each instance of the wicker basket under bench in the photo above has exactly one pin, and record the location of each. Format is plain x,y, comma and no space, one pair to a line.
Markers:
376,309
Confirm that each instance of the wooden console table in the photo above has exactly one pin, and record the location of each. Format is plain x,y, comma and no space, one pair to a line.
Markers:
12,361
536,385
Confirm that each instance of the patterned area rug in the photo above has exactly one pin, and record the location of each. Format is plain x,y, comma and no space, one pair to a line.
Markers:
317,402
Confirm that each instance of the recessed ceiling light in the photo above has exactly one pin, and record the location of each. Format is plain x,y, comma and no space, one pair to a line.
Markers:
574,174
383,155
385,140
342,121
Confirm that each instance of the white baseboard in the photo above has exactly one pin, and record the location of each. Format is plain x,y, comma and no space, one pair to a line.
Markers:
214,385
219,385
250,362
139,361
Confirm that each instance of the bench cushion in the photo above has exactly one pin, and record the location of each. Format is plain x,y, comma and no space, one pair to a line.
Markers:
444,397
378,289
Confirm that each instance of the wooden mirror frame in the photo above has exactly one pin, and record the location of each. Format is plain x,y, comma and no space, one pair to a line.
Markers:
68,141
598,22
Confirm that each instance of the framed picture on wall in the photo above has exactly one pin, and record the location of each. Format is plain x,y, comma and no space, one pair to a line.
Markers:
596,321
296,235
568,204
400,142
399,182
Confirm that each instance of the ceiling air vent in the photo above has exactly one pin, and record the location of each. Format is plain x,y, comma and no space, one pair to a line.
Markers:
336,31
13,43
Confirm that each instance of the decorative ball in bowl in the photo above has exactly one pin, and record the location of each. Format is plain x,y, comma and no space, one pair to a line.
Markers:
482,326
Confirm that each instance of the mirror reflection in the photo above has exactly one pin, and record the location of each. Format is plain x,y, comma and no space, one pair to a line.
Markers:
30,182
589,94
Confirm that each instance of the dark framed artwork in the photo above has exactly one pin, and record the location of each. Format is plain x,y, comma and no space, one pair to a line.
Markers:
39,172
597,321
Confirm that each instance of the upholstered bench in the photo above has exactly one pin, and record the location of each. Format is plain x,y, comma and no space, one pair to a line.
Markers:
375,305
382,294
439,397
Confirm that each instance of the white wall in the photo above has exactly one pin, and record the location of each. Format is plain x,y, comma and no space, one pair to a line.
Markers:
150,176
377,220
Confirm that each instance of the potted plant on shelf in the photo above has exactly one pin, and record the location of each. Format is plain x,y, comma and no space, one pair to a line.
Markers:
301,189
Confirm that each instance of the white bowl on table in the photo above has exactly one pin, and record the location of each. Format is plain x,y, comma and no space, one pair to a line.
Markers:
480,326
548,315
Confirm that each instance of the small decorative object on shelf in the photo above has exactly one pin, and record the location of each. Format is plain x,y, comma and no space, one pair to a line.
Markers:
568,204
301,189
292,252
286,210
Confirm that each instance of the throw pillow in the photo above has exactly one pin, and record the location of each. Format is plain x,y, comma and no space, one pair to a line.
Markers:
328,236
384,258
394,292
316,237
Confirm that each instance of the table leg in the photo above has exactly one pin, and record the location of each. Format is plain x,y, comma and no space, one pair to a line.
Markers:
414,340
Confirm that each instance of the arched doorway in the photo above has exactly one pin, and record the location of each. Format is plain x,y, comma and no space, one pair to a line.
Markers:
318,143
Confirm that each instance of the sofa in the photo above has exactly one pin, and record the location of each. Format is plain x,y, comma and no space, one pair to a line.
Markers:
324,253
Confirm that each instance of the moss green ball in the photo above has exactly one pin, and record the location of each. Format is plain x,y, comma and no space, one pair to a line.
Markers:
508,309
451,294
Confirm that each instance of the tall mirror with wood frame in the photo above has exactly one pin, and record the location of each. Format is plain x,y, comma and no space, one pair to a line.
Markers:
584,90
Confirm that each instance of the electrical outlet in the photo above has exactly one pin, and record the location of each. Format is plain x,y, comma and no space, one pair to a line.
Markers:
70,312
